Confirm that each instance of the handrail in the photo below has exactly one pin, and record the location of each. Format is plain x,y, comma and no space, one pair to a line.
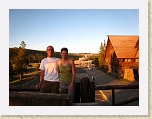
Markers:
38,99
97,87
39,95
114,87
108,87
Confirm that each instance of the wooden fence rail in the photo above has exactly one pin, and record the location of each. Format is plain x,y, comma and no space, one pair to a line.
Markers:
84,91
115,87
38,99
110,87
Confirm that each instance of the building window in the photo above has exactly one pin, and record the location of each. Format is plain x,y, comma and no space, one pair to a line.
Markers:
129,60
136,60
126,60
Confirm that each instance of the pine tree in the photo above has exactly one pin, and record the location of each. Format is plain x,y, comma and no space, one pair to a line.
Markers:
96,61
23,45
11,72
21,62
101,58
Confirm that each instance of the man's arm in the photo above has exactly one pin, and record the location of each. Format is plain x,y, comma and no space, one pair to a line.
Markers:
41,80
41,77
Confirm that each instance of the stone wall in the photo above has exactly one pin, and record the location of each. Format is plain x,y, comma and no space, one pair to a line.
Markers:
128,74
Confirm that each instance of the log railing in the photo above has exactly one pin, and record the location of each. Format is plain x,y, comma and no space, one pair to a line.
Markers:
38,99
84,91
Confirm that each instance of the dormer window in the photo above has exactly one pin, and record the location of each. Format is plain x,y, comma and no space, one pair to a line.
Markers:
129,60
126,60
136,60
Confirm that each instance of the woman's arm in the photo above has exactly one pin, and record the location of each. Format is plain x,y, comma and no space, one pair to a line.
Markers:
73,73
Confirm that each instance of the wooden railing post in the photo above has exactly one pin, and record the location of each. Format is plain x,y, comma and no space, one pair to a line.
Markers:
77,92
113,96
85,89
92,91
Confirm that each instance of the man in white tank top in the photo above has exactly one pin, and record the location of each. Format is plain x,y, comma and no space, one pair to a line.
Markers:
49,77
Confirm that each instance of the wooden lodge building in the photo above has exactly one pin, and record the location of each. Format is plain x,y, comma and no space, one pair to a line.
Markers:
122,56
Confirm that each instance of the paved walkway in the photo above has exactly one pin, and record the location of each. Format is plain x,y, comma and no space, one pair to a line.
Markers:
106,79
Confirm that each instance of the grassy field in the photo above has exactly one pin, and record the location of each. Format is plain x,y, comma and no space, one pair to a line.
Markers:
31,71
34,64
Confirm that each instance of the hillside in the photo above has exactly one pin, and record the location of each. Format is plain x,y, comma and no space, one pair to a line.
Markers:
35,56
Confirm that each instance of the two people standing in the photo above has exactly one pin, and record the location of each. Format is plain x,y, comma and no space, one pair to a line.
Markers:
57,72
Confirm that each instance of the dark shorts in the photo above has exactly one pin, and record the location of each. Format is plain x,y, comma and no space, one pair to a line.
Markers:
49,87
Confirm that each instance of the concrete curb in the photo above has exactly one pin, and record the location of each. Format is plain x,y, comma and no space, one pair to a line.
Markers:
104,97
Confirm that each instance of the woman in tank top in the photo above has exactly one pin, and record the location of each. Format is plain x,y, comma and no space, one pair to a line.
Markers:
67,72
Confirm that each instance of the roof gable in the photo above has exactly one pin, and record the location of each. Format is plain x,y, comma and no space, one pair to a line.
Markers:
125,46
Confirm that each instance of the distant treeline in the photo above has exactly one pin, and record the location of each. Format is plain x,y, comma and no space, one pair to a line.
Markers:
35,56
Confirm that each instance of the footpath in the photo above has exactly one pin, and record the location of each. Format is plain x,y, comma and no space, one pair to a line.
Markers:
102,96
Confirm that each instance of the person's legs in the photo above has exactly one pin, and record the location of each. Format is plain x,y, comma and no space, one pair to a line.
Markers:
45,88
63,83
63,87
54,87
71,92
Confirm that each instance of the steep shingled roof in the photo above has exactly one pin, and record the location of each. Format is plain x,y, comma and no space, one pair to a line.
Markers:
125,46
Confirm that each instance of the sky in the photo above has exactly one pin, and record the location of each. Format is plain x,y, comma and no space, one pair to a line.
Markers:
80,30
